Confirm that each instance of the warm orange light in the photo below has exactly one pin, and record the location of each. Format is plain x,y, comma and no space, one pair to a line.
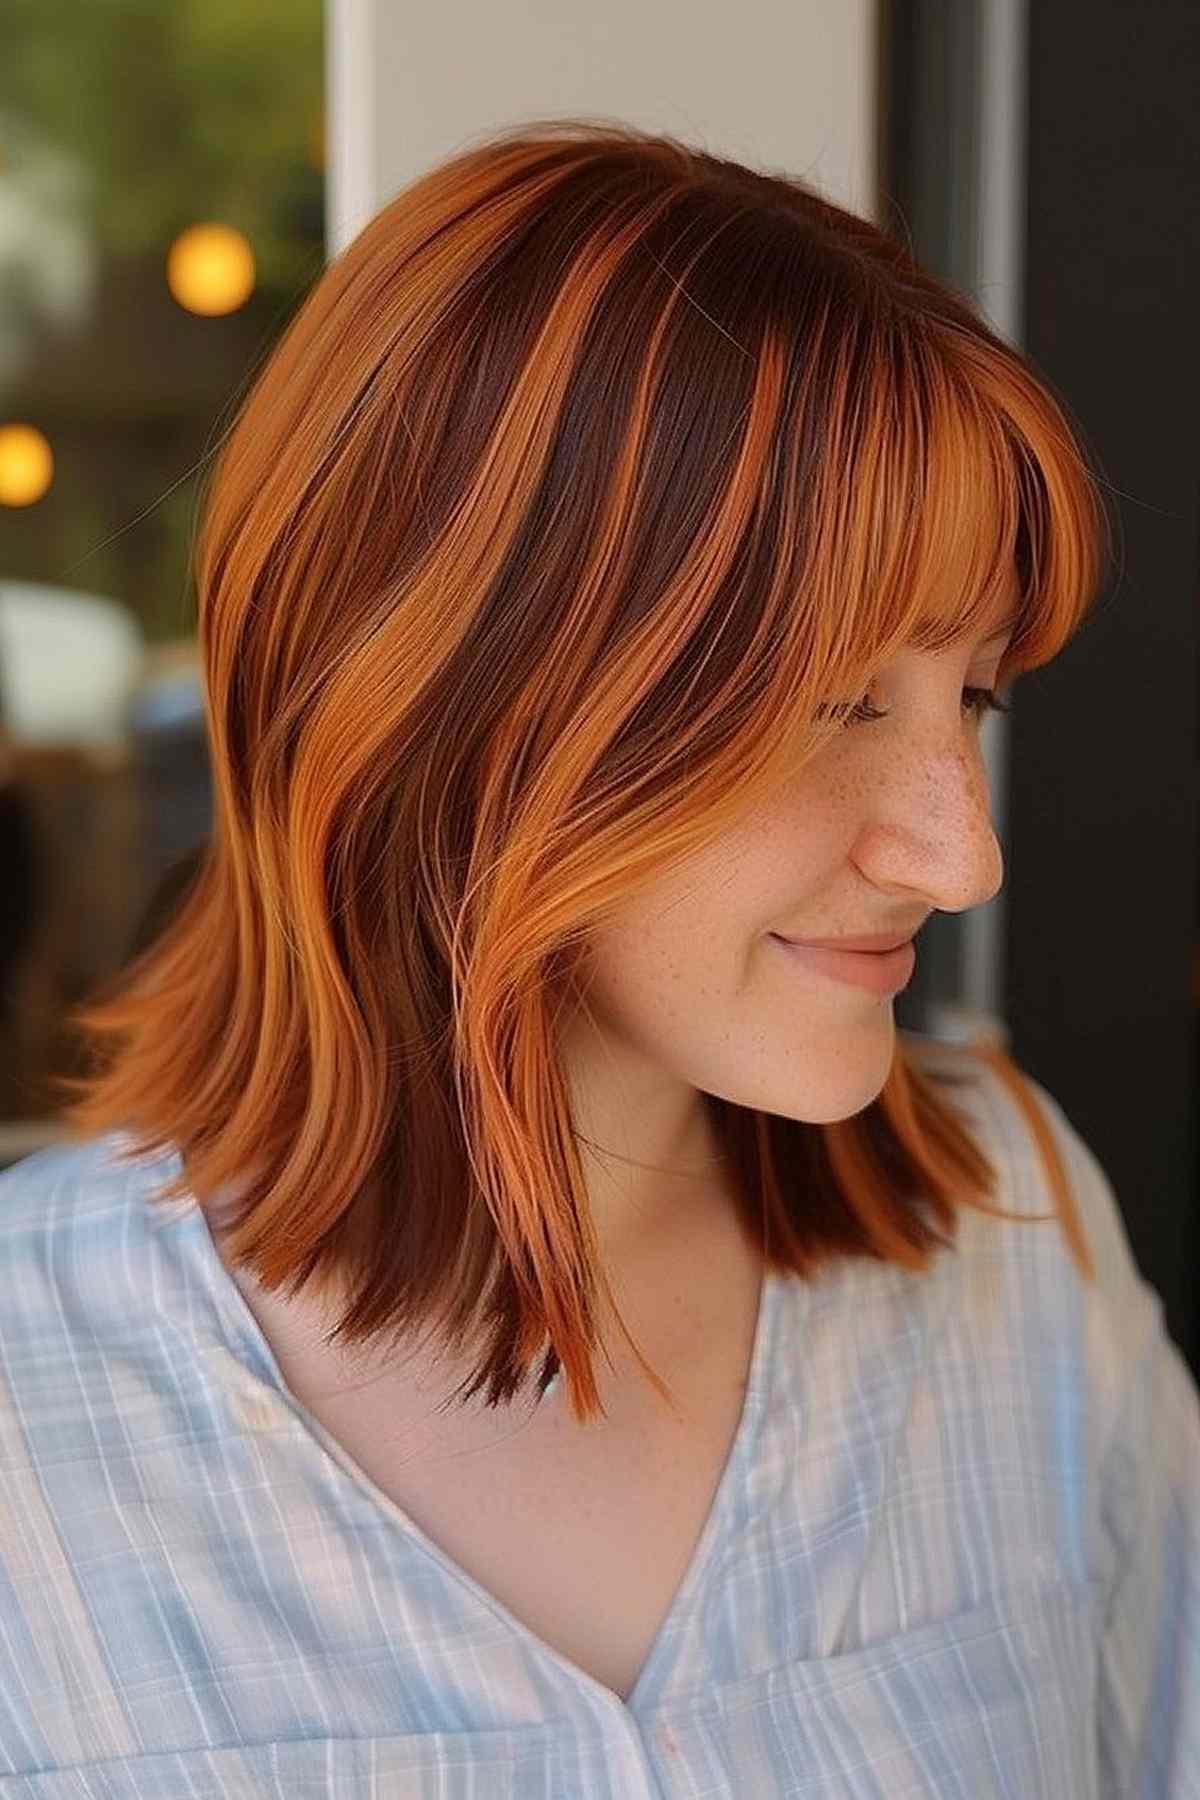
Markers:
26,465
210,269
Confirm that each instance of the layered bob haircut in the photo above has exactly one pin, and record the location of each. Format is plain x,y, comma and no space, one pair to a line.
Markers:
580,485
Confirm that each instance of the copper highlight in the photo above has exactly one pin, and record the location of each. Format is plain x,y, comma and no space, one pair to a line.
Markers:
579,481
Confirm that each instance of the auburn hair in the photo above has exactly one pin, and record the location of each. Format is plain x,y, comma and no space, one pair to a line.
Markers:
581,482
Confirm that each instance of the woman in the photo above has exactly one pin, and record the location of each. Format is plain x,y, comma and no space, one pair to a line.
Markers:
596,1354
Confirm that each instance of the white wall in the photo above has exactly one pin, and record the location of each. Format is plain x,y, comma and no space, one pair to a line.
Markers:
784,87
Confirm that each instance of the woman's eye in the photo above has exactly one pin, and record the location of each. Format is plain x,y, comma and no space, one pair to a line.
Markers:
985,700
976,700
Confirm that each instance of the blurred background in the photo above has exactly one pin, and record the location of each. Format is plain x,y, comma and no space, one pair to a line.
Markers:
174,175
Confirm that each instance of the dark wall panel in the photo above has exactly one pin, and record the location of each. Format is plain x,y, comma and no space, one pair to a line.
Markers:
1102,952
1102,802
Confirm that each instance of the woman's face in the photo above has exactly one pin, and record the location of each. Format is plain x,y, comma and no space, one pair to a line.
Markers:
889,823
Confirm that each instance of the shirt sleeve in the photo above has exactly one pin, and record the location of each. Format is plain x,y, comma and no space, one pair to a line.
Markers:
1149,1673
1148,1678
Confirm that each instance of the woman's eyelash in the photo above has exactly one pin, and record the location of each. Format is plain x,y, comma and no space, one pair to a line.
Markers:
978,700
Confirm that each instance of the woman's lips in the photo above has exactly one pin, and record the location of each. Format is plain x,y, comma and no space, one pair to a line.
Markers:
879,971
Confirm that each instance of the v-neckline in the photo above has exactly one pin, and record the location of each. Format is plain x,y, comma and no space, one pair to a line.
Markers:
243,1335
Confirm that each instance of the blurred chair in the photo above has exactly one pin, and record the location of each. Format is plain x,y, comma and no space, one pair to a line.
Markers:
169,752
107,790
70,662
21,880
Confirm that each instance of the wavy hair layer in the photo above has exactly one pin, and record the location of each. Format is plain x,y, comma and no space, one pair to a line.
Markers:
579,484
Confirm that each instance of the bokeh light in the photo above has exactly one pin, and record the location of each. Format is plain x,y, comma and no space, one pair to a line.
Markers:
26,464
211,269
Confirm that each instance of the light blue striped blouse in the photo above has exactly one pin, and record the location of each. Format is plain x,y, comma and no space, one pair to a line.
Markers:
955,1549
